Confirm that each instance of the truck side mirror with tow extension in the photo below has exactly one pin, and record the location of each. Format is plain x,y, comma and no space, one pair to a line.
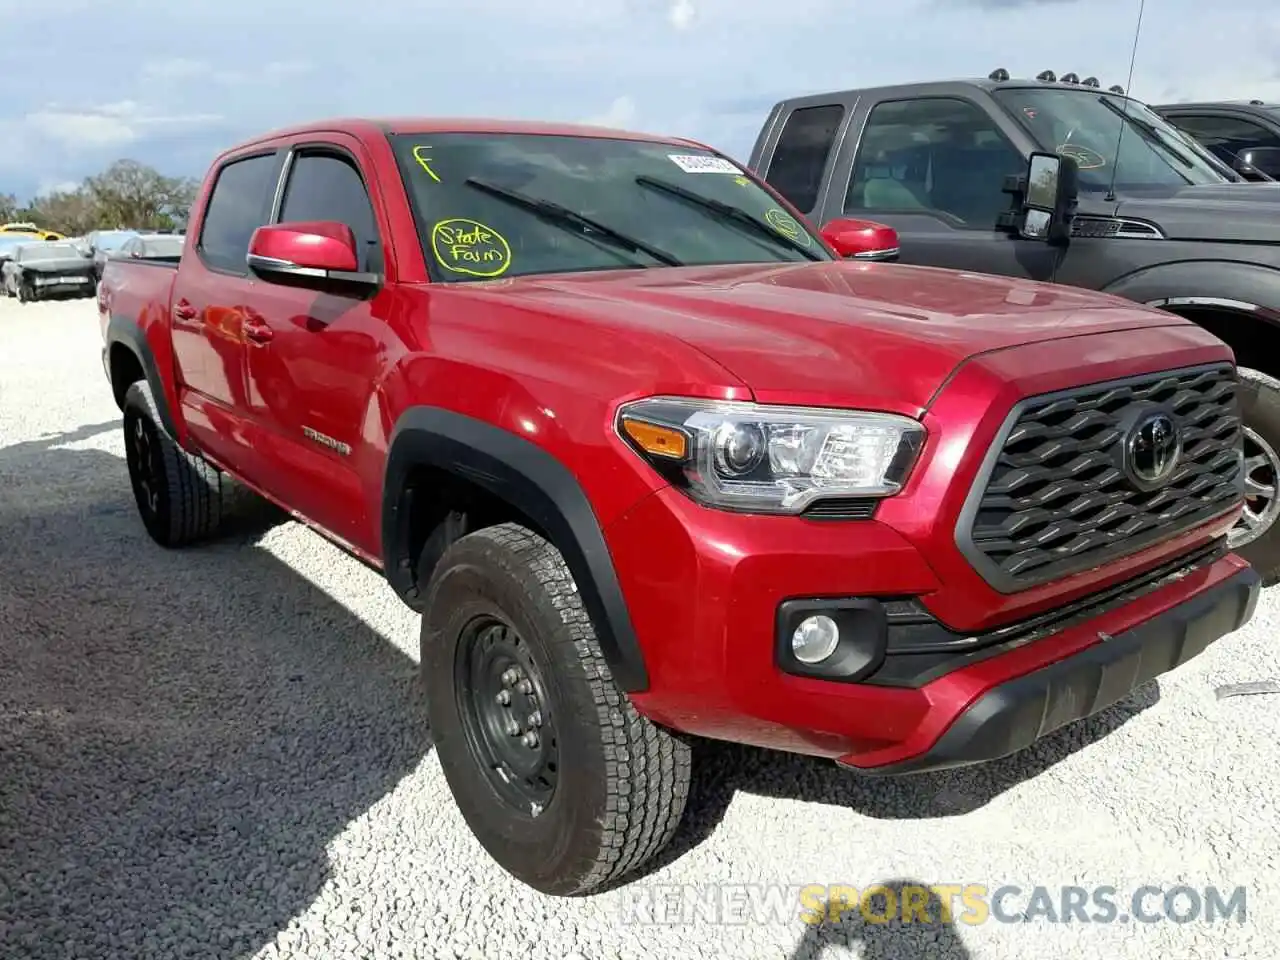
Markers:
312,253
861,239
1049,200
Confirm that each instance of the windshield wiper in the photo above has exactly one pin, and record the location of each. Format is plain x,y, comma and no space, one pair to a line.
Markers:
728,212
1149,133
562,216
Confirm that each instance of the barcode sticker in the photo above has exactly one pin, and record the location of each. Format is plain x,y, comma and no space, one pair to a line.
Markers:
699,164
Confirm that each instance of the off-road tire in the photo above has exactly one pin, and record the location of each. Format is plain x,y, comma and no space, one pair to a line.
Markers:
1259,396
26,294
188,491
623,780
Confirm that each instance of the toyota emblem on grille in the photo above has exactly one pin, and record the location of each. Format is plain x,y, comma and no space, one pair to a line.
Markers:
1152,449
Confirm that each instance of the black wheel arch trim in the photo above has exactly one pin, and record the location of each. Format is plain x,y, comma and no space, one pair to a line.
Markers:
534,482
121,330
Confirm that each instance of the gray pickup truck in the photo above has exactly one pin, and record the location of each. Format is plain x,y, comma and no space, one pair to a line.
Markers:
1157,219
1245,134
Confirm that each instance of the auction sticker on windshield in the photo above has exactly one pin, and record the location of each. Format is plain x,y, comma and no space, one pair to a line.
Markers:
696,164
786,225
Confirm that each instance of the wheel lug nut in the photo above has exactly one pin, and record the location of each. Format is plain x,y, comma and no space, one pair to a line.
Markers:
524,686
504,697
509,678
535,718
513,728
530,739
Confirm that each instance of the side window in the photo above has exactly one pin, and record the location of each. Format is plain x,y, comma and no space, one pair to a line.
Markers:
1225,137
941,156
326,187
240,203
801,155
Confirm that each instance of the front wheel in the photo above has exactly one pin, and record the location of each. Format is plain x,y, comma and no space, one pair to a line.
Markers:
560,779
1257,536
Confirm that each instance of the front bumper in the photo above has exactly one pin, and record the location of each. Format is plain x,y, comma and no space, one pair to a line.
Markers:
1013,715
704,589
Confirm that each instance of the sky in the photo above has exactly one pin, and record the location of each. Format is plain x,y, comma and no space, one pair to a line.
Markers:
170,83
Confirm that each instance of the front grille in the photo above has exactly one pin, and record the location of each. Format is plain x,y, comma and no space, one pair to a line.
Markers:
1053,497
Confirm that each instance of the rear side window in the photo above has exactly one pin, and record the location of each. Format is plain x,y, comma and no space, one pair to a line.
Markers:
801,155
323,186
240,203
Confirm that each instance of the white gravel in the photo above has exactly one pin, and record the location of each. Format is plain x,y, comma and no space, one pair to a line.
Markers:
221,752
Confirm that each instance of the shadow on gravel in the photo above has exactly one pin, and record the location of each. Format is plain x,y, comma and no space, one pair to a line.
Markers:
881,934
181,734
722,769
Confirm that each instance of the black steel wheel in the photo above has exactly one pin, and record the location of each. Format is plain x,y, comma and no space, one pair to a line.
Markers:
561,780
505,714
179,495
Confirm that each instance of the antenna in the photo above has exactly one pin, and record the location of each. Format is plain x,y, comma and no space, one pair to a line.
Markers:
1133,58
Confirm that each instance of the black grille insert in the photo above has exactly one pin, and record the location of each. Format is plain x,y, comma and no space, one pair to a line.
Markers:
1053,498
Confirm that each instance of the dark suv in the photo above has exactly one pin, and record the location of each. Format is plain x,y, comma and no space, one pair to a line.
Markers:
1159,220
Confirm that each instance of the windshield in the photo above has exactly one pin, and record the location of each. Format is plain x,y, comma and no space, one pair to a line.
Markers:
47,251
1086,124
505,205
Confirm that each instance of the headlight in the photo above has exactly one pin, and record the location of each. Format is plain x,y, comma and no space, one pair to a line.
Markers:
771,459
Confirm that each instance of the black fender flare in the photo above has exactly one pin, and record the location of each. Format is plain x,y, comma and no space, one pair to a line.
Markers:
1243,288
524,475
123,331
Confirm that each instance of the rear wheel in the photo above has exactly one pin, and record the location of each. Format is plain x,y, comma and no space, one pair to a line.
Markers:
560,779
179,496
1257,536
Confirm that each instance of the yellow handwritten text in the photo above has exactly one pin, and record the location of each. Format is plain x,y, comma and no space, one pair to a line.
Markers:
470,247
424,161
786,225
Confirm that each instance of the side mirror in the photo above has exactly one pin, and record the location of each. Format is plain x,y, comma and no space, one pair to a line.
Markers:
861,239
306,252
1259,160
1049,205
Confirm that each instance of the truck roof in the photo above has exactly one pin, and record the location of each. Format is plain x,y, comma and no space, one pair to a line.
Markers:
372,127
982,83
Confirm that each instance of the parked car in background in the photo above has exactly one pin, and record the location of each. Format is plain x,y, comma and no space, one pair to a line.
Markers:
42,269
153,246
9,243
31,229
102,243
1244,134
1158,222
654,462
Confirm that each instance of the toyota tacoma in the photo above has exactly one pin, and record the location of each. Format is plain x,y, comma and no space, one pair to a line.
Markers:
655,463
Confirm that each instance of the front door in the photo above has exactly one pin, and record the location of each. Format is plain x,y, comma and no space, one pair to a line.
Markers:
933,168
313,373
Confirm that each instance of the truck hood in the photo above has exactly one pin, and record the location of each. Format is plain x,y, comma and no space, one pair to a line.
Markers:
1230,212
882,336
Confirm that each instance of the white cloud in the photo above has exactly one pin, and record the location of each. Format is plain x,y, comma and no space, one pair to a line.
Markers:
621,113
682,14
106,125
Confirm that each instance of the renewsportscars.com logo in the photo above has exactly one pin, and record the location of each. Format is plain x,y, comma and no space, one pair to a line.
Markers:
969,904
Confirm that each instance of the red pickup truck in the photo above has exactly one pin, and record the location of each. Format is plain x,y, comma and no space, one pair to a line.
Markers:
656,460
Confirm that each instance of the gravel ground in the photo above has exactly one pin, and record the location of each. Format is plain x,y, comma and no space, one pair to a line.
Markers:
222,752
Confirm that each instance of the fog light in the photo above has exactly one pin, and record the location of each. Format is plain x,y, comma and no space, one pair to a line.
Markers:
815,639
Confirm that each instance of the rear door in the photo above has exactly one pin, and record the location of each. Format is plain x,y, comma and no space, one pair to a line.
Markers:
210,298
313,377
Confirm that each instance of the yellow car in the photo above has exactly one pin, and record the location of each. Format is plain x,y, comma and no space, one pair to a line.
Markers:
30,229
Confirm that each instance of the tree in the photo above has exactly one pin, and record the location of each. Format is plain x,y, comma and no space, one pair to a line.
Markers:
131,194
71,212
9,207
